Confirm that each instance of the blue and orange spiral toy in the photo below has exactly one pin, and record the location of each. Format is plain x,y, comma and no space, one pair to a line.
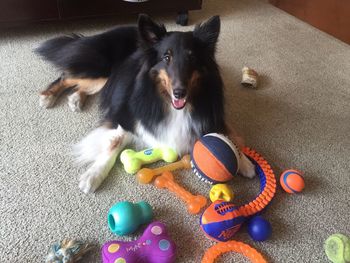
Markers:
221,220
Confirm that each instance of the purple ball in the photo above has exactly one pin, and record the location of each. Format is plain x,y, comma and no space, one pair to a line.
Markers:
259,228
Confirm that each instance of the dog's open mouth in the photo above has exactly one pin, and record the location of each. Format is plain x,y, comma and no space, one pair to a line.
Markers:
178,103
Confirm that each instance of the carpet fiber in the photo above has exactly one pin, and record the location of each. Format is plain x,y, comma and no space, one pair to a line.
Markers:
298,118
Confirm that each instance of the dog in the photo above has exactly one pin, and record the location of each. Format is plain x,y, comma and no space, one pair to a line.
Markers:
157,87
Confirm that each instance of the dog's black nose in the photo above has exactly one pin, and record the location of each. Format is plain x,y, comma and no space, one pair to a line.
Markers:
179,93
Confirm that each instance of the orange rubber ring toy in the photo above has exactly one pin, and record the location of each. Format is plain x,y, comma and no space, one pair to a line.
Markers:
232,246
221,220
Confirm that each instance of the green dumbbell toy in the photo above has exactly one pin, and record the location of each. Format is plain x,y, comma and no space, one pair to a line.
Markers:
133,161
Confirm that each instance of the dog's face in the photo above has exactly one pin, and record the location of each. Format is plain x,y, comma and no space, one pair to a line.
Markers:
180,57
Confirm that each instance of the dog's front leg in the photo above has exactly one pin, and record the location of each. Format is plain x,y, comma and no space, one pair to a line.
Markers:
100,148
246,167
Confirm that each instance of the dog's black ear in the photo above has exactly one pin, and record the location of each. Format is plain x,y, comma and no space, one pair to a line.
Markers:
150,31
208,32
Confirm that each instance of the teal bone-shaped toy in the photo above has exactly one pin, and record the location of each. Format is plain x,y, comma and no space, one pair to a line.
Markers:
133,161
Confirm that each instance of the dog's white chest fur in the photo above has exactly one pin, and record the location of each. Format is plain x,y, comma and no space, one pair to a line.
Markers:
178,131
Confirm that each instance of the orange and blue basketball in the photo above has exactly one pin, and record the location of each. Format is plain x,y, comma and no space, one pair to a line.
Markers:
292,181
215,159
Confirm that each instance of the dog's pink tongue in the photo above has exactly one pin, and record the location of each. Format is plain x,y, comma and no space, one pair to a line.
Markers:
179,103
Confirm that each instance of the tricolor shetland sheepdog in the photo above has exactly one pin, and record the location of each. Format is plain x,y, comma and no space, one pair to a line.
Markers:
161,88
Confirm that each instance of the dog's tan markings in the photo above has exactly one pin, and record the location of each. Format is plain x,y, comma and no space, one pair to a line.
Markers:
193,87
83,87
55,88
194,80
88,86
164,82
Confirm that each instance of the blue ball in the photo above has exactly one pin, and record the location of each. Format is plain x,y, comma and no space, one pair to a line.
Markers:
259,228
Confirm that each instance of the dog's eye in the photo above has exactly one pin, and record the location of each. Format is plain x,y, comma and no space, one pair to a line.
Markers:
166,58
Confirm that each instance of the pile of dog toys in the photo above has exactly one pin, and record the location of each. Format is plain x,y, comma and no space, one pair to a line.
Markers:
215,160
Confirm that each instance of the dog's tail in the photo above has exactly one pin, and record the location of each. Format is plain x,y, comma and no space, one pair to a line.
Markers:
76,55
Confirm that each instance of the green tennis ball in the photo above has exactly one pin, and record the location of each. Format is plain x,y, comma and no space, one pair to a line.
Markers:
337,248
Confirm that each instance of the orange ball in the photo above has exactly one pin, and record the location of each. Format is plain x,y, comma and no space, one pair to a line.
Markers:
292,181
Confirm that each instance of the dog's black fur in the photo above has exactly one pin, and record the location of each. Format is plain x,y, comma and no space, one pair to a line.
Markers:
161,88
132,58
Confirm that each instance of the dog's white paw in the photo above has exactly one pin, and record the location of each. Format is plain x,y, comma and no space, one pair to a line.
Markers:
247,168
47,101
90,180
75,102
96,174
98,149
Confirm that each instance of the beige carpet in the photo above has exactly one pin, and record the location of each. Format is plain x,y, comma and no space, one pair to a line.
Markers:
299,117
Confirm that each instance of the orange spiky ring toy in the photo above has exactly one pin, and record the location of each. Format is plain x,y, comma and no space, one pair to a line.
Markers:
221,220
232,246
